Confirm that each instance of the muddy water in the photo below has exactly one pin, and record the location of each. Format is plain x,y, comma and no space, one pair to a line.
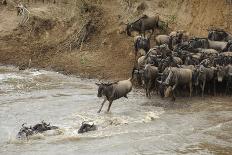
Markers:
134,126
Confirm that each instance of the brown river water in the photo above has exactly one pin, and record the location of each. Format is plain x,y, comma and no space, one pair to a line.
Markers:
135,126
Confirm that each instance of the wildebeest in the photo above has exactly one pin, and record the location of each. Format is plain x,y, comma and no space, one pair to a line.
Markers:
195,43
87,126
178,77
217,45
224,73
141,42
43,126
228,47
25,132
114,91
205,74
142,24
150,76
219,35
170,61
162,39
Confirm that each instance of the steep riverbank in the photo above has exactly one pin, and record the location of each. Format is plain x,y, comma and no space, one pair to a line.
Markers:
108,52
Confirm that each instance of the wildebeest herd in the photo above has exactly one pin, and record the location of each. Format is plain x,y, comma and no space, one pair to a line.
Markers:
178,62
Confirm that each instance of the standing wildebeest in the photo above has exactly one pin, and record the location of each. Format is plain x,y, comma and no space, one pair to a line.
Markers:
224,73
162,39
219,35
195,43
205,74
141,42
114,91
217,45
142,24
177,77
228,47
150,76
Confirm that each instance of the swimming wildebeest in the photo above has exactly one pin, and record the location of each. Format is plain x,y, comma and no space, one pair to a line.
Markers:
43,126
114,91
142,24
25,132
87,126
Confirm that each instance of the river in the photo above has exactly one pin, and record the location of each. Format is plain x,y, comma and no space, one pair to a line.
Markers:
135,126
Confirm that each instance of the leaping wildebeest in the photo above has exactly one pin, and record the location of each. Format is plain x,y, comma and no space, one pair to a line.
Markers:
113,91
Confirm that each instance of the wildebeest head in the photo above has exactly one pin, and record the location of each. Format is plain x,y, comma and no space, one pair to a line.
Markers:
102,88
142,43
87,126
169,78
24,132
129,29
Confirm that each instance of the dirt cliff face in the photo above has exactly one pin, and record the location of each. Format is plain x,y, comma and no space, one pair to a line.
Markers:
107,52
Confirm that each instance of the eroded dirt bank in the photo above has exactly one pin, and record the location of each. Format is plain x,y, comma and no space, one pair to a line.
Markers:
107,52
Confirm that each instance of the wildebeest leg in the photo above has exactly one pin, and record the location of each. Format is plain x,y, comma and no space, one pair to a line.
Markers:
227,86
173,95
102,105
135,62
203,88
190,89
149,89
196,91
146,91
152,31
173,92
110,103
214,87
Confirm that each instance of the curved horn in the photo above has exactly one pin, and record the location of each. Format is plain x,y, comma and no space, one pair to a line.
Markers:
98,84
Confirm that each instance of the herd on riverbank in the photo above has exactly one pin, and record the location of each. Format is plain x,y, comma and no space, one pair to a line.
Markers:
178,63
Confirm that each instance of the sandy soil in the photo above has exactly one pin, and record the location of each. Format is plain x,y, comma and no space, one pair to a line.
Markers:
108,52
